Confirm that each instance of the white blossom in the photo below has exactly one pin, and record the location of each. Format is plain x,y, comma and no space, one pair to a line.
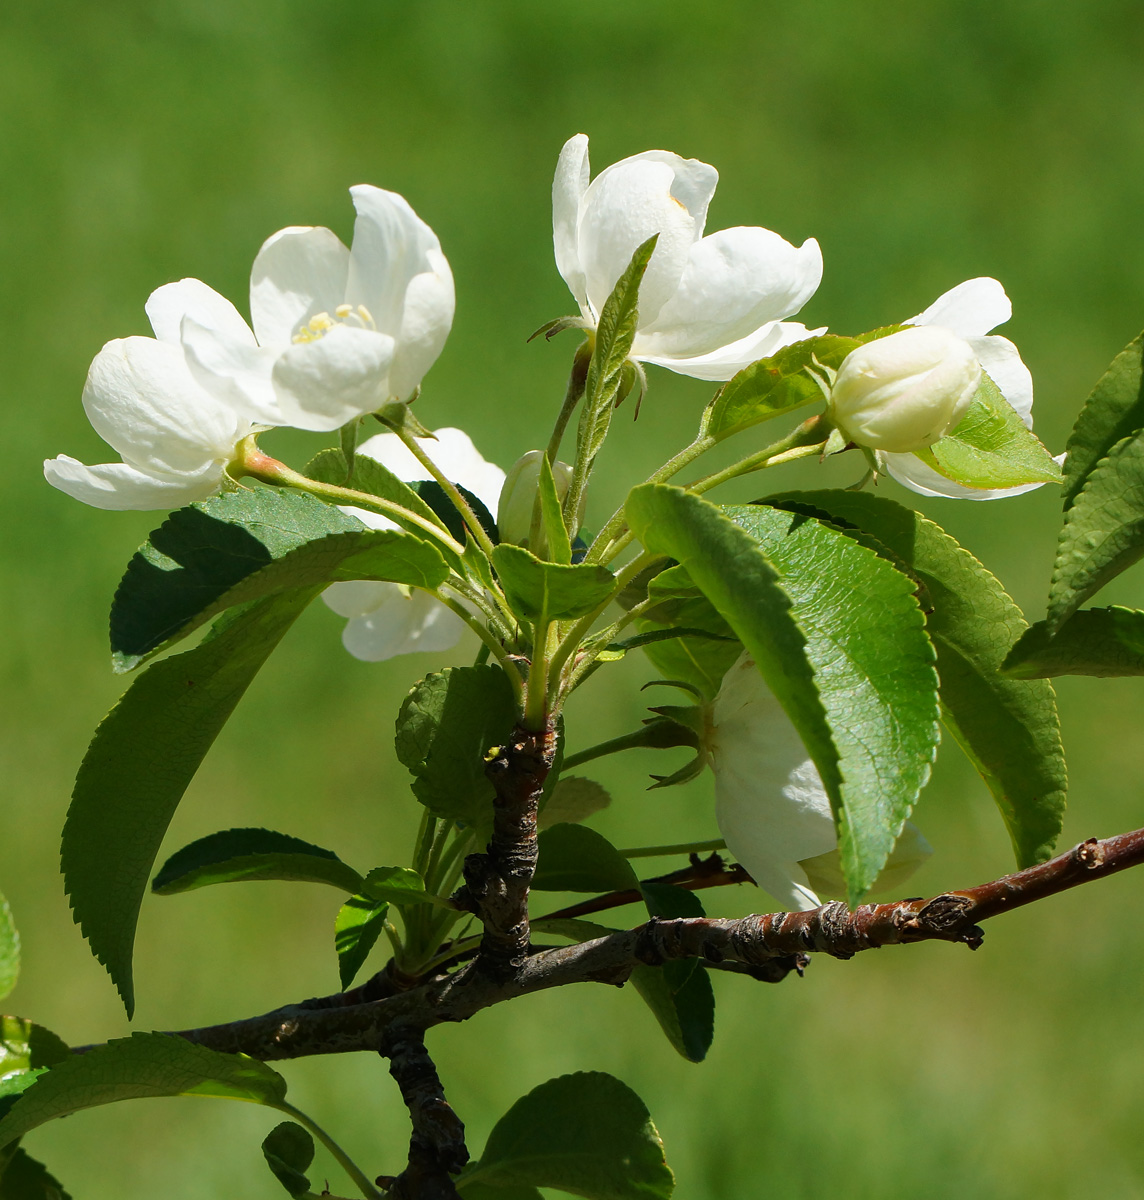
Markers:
708,306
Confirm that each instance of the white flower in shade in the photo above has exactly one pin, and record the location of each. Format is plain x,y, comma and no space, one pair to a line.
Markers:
708,306
387,619
337,332
175,436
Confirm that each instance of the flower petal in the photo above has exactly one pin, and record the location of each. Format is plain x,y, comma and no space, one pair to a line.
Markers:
911,472
401,625
1003,361
299,272
119,486
358,597
452,451
167,306
322,384
568,188
727,361
426,320
735,282
970,310
237,371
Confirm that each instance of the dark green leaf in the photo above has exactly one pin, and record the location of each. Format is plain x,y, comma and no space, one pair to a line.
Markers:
572,799
1009,729
23,1178
289,1151
550,591
9,950
398,885
446,727
371,477
476,1190
574,858
1104,642
440,502
1113,412
360,921
235,855
139,764
588,1134
241,546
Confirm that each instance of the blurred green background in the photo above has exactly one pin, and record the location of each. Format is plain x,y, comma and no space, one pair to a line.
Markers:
922,144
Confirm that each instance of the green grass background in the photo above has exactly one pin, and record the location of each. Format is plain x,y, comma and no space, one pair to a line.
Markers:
922,144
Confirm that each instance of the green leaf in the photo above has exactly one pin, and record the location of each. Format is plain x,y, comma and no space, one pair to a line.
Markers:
555,531
574,858
1104,642
587,1133
1113,412
236,855
991,448
23,1178
289,1151
837,634
398,885
447,725
1103,533
137,1067
27,1050
1009,729
359,924
369,476
139,764
483,1191
572,800
550,591
241,546
9,950
441,503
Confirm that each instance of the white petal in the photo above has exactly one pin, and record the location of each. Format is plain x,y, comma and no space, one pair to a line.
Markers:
1002,360
325,383
911,472
693,182
425,323
358,597
299,272
168,305
235,370
402,625
569,185
735,282
142,400
727,361
371,520
970,310
118,486
453,451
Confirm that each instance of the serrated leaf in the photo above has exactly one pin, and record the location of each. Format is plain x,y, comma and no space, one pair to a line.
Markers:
1103,532
1103,642
1113,411
140,762
236,855
445,728
24,1178
241,546
991,447
550,591
572,800
9,950
141,1066
1009,730
574,858
289,1151
587,1133
359,923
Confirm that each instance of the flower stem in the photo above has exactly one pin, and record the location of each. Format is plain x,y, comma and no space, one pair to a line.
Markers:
680,848
803,441
485,634
536,697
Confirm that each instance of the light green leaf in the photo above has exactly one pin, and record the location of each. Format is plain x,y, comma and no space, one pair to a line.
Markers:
574,858
559,549
1104,642
447,725
572,800
991,448
1103,533
398,885
1114,411
9,950
1009,729
23,1178
289,1151
359,924
27,1050
139,764
587,1133
236,855
550,591
241,546
137,1067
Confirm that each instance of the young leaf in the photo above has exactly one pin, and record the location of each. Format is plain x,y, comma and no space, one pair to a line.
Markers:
550,591
139,764
289,1151
240,546
1009,730
1104,642
23,1178
236,855
1103,533
1113,412
555,531
586,1133
9,950
359,924
572,800
397,885
446,727
991,448
574,858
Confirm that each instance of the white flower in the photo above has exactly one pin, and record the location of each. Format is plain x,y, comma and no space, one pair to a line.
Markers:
175,436
708,306
337,333
386,619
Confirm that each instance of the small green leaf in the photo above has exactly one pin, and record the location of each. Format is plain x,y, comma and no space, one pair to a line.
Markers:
9,950
550,591
143,1065
574,858
1104,642
140,762
236,855
447,725
398,885
991,448
1103,533
555,531
1113,412
359,924
572,800
23,1178
289,1151
588,1134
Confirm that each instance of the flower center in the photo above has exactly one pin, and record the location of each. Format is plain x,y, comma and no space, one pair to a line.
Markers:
356,316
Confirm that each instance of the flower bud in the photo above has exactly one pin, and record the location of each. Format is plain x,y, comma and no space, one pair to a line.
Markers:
518,499
902,392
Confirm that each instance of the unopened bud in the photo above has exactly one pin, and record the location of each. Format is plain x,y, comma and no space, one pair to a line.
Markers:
902,392
518,499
